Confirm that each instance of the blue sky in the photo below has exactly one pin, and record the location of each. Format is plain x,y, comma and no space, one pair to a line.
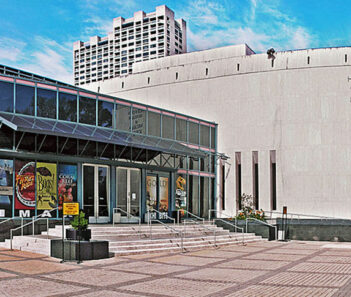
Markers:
37,35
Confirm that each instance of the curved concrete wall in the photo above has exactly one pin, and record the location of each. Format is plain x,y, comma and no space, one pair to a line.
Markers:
298,105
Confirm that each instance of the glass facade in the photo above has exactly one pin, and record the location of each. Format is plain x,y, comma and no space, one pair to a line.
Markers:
81,114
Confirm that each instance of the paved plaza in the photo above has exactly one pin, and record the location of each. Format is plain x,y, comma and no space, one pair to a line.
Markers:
257,269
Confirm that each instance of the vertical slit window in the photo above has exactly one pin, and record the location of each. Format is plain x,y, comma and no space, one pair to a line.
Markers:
206,71
222,185
237,67
238,179
273,170
345,58
255,181
308,60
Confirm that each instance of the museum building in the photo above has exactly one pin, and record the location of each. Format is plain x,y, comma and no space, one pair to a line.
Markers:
60,143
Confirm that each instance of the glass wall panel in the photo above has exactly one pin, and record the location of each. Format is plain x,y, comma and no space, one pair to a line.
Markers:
181,129
87,111
212,193
105,110
204,135
168,127
193,133
180,162
154,124
194,194
67,107
6,96
213,137
6,137
88,190
138,121
204,196
46,101
123,117
25,100
193,164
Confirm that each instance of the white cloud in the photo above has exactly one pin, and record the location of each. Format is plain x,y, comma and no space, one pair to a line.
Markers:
10,49
300,39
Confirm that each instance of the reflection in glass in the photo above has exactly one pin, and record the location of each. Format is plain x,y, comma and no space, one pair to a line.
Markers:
6,96
154,124
46,101
204,135
122,117
167,127
139,121
194,194
105,110
213,137
87,111
24,100
103,196
88,190
193,133
181,129
122,189
67,107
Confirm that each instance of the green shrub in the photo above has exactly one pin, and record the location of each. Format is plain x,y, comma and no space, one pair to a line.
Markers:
80,221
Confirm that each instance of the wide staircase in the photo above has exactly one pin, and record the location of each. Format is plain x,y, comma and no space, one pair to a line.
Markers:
136,239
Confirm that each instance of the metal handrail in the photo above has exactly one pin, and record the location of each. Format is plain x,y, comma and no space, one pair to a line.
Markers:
172,229
234,225
195,216
128,214
202,226
34,219
304,215
160,213
264,223
217,211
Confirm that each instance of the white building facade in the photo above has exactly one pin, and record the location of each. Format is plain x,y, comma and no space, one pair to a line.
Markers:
284,121
140,38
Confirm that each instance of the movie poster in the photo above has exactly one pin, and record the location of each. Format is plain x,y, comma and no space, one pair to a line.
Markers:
46,186
163,189
67,184
25,188
151,193
6,188
180,192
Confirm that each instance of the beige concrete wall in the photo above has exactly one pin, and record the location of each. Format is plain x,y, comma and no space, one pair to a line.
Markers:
302,110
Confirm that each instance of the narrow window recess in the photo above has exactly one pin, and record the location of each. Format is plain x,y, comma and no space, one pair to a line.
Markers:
273,175
222,166
308,60
345,58
206,71
255,182
237,67
148,80
122,84
272,63
176,75
238,179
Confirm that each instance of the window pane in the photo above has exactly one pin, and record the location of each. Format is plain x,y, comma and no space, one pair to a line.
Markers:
46,101
6,96
193,164
194,194
105,114
123,117
167,127
87,111
193,133
213,137
139,121
154,124
68,107
205,135
181,130
24,99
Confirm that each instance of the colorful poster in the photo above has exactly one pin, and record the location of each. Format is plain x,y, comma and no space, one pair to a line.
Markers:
163,187
46,186
6,188
67,184
25,185
180,192
151,193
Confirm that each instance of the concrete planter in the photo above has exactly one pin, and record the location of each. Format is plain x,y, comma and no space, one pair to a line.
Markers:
84,235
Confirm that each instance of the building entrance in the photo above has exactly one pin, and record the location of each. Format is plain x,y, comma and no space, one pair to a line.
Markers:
96,184
157,196
128,193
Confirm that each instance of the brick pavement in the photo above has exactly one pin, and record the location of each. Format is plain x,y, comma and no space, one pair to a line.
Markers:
258,269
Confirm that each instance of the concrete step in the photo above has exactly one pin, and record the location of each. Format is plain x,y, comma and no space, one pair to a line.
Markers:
29,243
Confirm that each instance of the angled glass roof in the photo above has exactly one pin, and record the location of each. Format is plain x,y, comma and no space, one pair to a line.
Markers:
79,131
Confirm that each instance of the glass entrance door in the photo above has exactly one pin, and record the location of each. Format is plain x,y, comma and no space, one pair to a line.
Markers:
96,194
128,194
157,196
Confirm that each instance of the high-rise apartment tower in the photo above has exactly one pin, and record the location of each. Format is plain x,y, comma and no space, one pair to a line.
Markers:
140,38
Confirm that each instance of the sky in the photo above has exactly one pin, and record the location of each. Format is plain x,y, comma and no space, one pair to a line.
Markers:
38,35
